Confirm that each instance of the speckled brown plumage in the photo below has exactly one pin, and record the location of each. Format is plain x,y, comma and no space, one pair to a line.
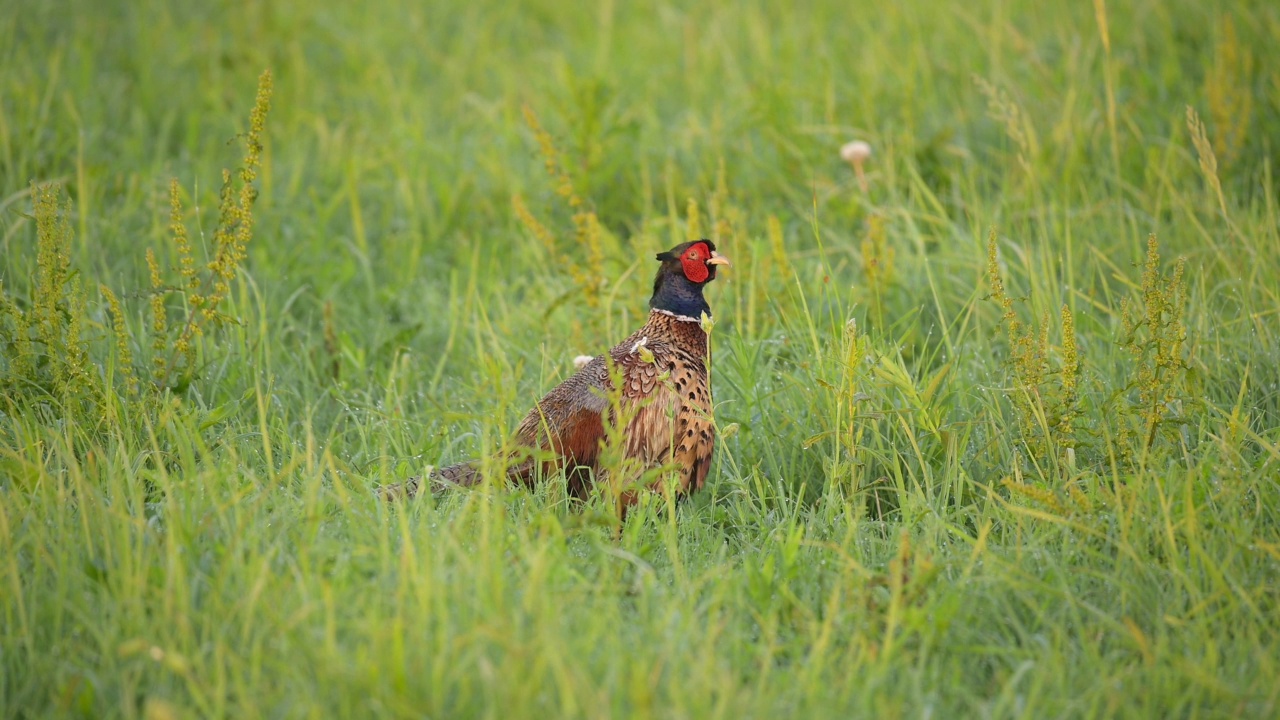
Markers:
666,393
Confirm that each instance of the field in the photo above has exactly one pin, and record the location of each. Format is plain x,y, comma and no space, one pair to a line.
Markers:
999,414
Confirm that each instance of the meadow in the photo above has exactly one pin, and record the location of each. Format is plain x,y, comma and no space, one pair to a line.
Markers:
999,423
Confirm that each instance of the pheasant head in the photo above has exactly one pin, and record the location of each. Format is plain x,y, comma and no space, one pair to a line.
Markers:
686,269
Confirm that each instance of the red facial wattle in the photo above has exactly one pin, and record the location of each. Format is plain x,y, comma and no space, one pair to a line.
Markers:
694,262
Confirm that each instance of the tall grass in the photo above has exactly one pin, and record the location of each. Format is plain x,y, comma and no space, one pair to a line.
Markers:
999,435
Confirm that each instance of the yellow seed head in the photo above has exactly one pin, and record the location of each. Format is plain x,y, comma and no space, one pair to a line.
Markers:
124,357
1070,354
778,247
533,225
693,220
1038,494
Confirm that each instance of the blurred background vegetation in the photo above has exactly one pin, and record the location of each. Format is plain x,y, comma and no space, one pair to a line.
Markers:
986,447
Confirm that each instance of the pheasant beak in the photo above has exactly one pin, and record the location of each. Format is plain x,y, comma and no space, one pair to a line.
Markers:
717,259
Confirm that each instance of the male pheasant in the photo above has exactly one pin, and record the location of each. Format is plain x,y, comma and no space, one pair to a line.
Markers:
665,391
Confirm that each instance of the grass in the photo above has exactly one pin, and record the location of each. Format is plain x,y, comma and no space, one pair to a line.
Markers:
933,496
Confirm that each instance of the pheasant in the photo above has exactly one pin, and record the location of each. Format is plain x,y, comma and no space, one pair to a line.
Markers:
665,393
